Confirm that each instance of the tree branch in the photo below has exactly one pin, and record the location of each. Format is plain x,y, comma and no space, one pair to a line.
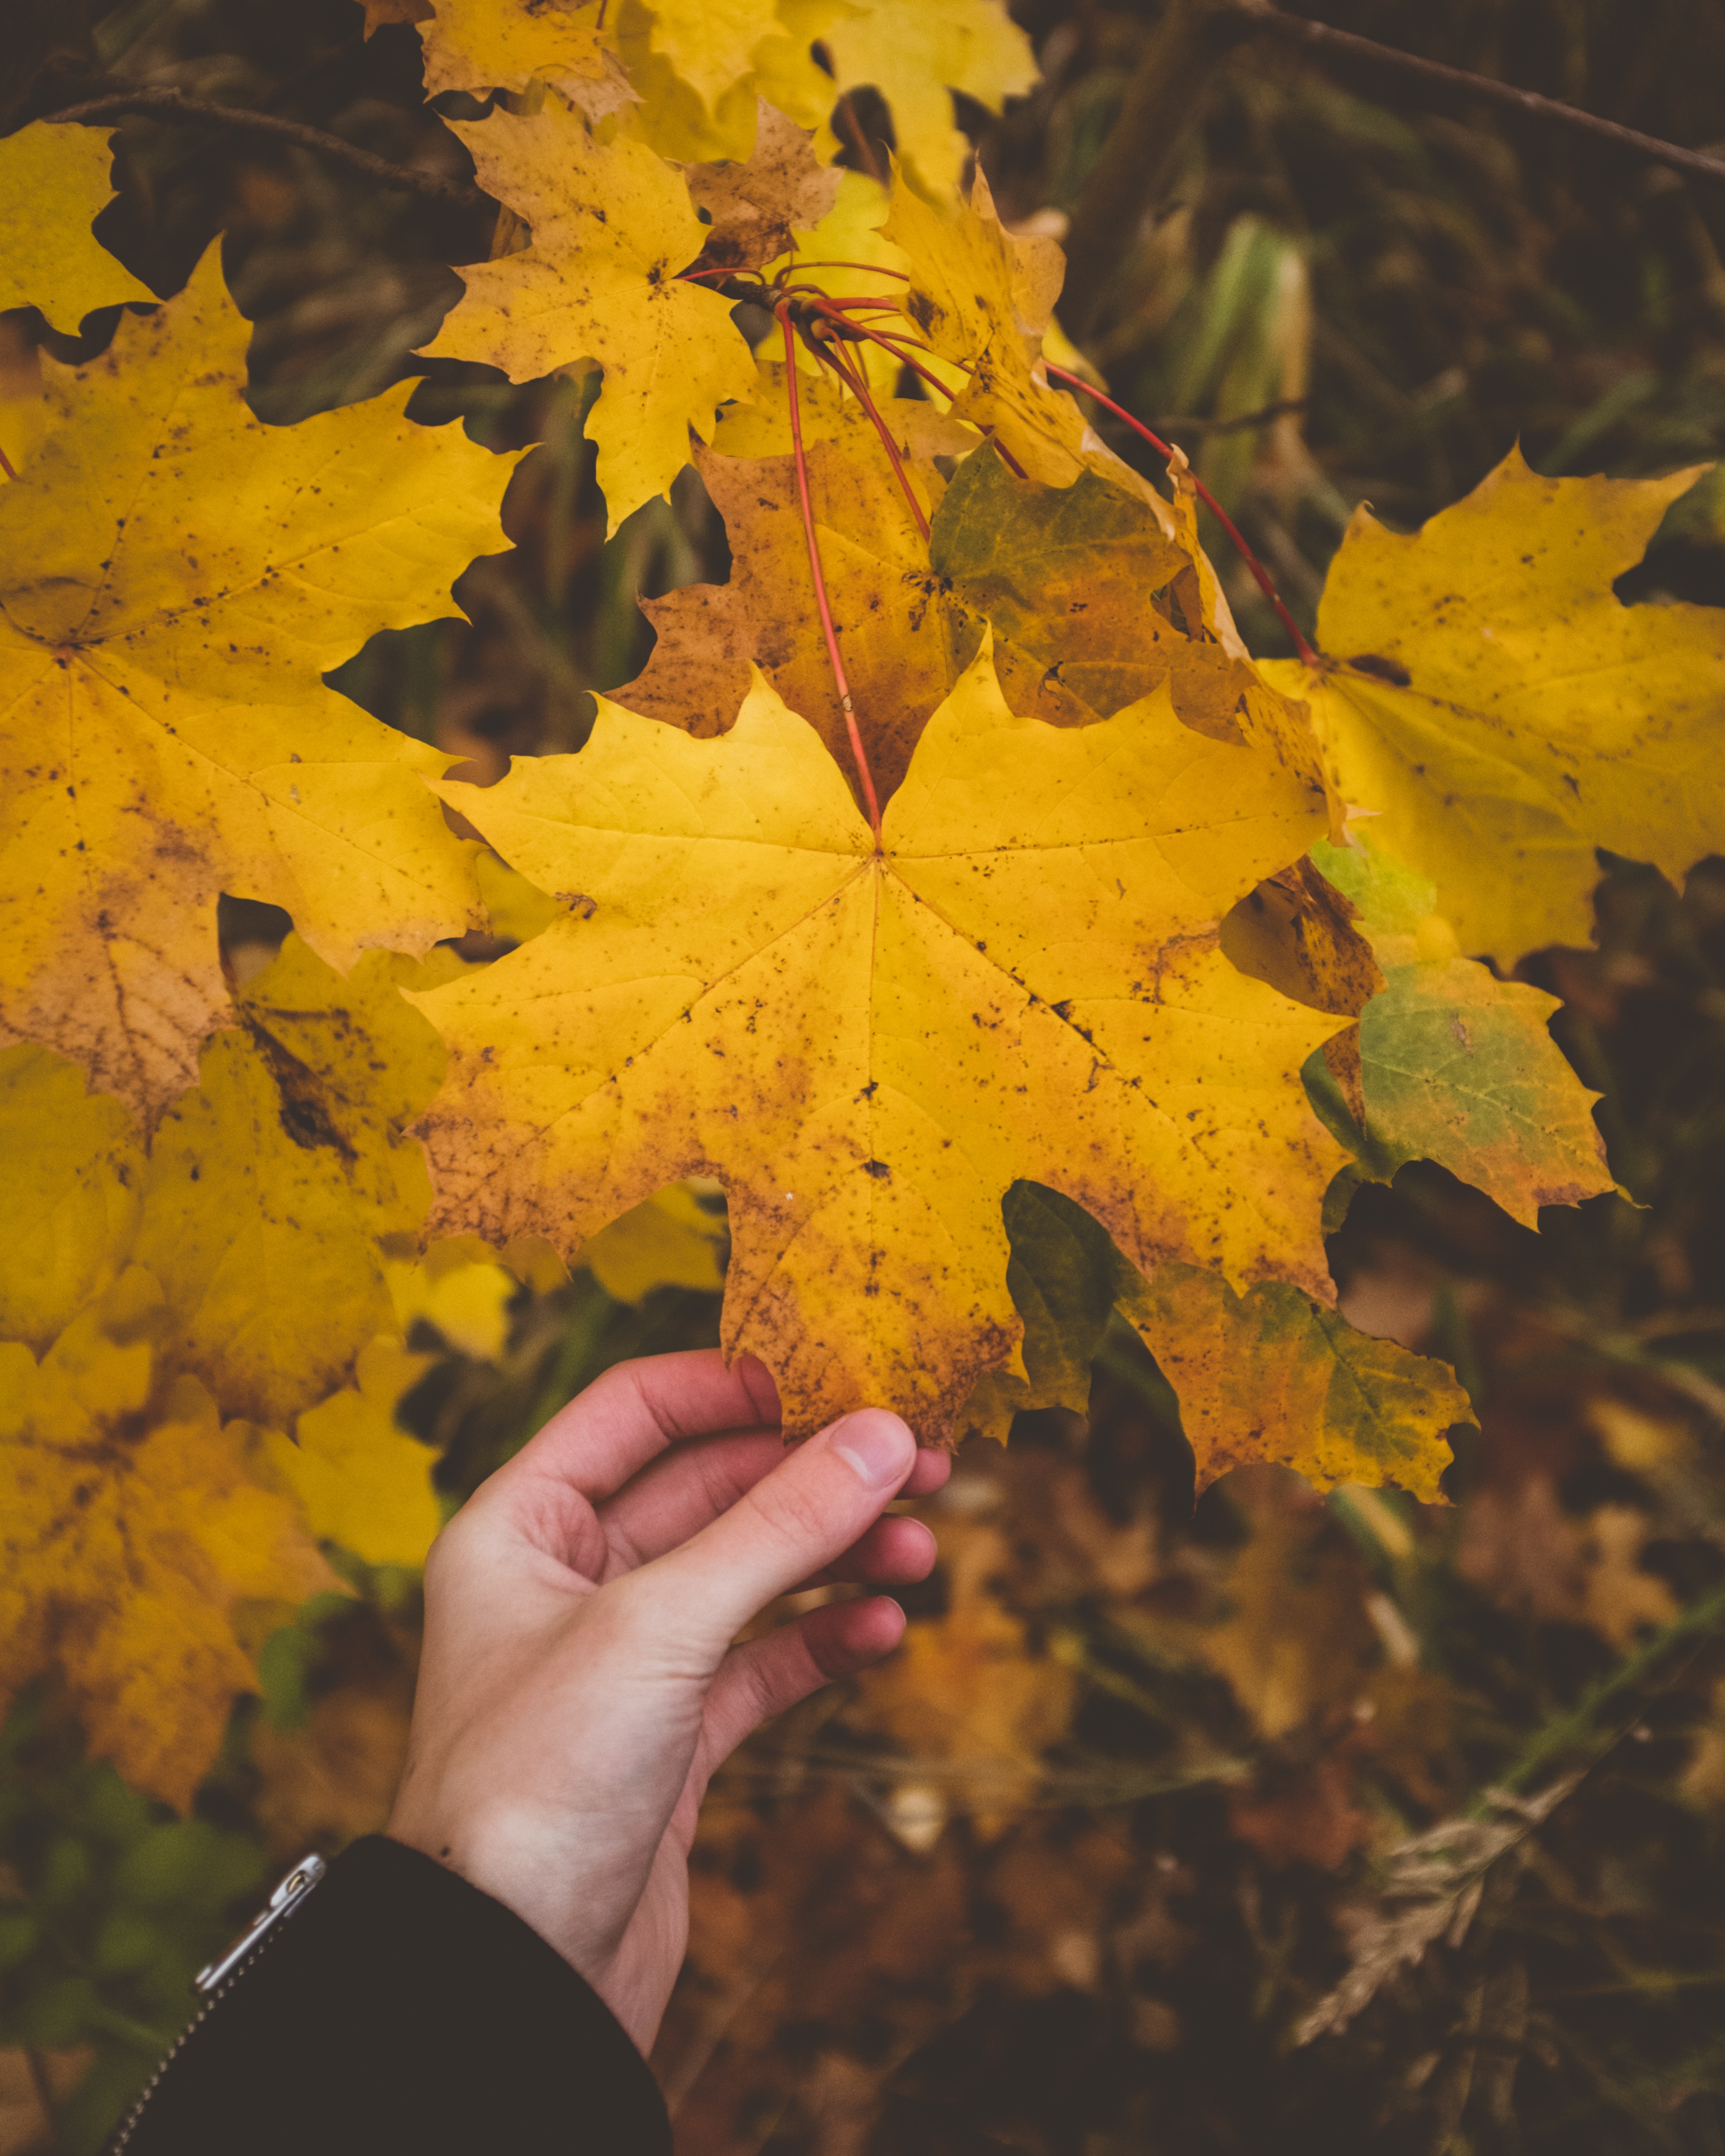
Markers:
1249,22
176,110
1142,154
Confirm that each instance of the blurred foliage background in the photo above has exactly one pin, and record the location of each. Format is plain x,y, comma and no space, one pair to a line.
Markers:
1173,1830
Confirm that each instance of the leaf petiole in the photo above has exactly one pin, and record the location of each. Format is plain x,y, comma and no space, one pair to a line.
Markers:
783,311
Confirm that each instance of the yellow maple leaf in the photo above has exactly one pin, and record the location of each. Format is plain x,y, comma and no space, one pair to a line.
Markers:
49,256
271,1186
869,1046
75,1168
917,55
130,1530
1506,713
670,1239
360,1479
460,1289
612,226
980,298
734,54
176,578
711,42
510,44
904,643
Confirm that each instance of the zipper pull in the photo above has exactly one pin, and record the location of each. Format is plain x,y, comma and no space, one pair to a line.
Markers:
287,1898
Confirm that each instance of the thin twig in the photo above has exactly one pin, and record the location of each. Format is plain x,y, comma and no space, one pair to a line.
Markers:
1321,38
865,149
175,109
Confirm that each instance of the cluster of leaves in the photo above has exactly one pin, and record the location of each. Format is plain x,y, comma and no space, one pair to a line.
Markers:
1037,975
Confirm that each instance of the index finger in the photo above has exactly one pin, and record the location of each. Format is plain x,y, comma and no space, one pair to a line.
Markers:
628,1416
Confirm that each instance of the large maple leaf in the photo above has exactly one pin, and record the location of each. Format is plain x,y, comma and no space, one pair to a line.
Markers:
175,577
1492,698
612,225
870,1044
129,1528
50,258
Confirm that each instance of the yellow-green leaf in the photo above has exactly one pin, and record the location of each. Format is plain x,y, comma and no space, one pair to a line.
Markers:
1272,1375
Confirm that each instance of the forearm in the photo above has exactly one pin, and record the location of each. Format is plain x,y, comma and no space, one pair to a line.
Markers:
399,2008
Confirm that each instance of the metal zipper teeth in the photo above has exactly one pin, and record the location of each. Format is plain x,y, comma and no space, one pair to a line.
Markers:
273,1931
184,2038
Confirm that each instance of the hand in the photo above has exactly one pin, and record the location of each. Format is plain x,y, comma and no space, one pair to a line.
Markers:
579,1684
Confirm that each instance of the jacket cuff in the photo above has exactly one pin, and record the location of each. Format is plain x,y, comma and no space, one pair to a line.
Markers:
400,2007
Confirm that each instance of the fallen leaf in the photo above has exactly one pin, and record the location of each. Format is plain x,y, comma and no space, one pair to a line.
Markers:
612,226
50,258
870,1047
965,1697
1504,711
1296,1638
129,1531
178,577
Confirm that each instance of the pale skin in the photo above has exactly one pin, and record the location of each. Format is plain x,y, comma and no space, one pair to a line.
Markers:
581,1679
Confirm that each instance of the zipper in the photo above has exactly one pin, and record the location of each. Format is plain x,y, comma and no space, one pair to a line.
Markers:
218,1978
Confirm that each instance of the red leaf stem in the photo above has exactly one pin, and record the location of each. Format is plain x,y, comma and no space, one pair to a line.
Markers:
783,311
874,269
857,382
1259,574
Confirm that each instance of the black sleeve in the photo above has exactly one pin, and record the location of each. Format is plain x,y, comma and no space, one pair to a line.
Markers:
399,2009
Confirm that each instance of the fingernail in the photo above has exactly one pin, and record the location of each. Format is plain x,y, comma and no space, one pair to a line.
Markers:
877,1444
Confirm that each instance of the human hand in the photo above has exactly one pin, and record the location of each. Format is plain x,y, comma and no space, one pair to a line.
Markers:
579,1682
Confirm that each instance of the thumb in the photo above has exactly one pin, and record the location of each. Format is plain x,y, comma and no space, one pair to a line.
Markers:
818,1500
